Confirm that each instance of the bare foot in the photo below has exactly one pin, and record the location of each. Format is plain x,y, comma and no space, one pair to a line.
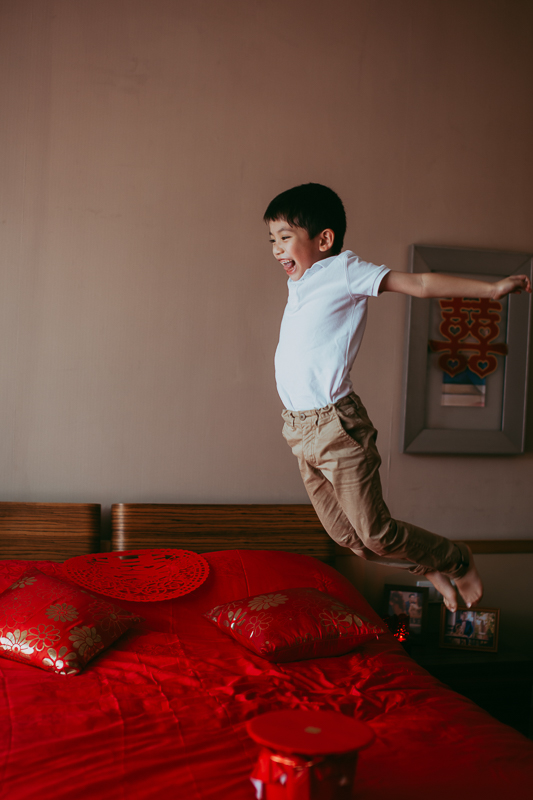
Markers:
470,586
443,584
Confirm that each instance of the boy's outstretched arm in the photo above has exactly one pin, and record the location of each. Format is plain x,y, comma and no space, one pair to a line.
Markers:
437,284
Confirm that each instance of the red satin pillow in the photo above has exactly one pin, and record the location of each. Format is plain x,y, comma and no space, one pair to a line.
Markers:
57,626
294,624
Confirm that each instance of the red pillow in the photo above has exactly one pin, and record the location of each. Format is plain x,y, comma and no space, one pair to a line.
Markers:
294,624
55,625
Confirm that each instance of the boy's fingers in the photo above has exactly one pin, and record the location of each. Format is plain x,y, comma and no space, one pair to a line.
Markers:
523,284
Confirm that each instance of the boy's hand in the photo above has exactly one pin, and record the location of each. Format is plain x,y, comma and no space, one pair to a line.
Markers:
514,284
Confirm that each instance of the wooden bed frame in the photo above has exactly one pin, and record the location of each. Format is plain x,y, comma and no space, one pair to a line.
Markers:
294,528
57,531
49,531
203,528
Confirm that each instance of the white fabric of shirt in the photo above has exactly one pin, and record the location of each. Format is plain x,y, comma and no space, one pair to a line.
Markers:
322,329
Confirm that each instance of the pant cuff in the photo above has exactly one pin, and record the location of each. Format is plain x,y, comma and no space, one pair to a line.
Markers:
463,564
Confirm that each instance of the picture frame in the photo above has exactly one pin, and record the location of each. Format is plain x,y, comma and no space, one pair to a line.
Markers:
457,409
411,600
470,629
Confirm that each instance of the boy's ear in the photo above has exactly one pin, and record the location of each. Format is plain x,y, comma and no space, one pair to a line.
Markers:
326,239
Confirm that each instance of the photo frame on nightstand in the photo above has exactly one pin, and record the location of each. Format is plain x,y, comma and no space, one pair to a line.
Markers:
401,599
470,629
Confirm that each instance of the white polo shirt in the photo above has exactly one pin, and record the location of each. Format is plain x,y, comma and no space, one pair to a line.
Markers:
322,329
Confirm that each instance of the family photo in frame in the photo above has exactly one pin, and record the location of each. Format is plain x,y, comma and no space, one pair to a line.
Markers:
472,629
409,600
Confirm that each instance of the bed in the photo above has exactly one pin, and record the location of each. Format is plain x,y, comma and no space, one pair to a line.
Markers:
162,712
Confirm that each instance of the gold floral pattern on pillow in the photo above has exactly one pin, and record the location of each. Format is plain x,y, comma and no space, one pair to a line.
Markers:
61,612
57,626
62,662
294,624
43,636
16,642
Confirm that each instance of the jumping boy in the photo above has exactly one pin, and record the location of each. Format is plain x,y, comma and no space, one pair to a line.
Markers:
325,423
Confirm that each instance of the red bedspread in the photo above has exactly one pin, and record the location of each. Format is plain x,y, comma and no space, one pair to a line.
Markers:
161,713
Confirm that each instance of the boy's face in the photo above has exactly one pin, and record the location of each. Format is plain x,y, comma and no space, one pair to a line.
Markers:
293,248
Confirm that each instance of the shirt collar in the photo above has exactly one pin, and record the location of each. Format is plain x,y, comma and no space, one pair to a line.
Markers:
317,266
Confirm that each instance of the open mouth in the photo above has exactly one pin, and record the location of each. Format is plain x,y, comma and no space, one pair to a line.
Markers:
288,265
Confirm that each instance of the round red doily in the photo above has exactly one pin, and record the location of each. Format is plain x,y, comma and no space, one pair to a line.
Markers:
145,575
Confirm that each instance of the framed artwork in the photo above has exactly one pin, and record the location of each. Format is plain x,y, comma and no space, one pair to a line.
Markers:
411,600
470,629
466,361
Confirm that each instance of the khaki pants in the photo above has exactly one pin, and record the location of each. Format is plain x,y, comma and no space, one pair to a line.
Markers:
339,462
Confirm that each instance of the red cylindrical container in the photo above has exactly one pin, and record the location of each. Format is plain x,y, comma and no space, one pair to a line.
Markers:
307,755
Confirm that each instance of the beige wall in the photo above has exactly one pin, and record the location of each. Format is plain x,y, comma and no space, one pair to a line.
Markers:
141,141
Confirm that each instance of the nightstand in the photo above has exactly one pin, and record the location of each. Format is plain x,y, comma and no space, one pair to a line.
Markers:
501,683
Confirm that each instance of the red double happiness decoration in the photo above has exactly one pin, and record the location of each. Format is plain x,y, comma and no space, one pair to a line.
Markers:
464,318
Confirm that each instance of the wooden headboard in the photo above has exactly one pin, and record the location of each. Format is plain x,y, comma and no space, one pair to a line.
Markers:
202,528
49,531
57,531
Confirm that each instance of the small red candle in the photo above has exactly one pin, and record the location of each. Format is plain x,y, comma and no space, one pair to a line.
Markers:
398,624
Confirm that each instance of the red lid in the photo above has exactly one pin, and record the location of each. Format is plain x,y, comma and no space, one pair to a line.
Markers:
310,732
145,575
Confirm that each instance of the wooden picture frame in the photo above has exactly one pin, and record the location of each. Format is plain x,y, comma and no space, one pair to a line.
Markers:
430,422
470,629
410,600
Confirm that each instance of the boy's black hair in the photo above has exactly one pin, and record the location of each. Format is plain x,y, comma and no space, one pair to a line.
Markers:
312,207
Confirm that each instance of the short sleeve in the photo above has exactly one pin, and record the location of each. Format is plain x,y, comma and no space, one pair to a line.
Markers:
364,278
